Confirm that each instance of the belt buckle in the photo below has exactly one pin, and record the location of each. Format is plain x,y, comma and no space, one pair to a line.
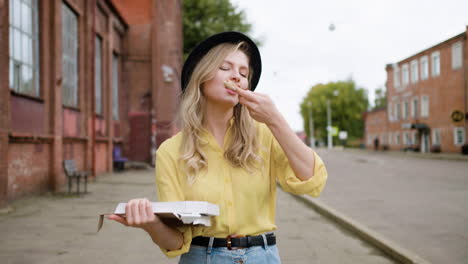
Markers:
229,242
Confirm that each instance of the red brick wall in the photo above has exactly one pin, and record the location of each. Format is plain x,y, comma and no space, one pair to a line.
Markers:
376,126
101,157
28,169
445,92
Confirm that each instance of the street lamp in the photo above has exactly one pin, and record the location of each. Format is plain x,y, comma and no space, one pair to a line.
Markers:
311,125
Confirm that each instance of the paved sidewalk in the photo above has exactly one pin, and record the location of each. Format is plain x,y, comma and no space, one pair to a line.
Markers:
61,229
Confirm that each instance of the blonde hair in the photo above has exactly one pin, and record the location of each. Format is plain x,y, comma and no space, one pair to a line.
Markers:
242,146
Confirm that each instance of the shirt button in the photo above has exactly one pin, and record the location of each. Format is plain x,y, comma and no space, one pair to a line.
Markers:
229,203
227,180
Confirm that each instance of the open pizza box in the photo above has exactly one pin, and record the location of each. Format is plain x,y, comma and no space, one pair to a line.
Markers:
176,213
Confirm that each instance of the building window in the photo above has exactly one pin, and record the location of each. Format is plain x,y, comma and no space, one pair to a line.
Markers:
390,140
398,111
405,74
457,55
24,47
414,71
69,56
436,137
98,75
405,109
424,68
115,87
415,140
397,138
396,76
406,139
435,61
459,136
415,106
424,106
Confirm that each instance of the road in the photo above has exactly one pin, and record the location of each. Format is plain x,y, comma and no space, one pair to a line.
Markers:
422,204
62,229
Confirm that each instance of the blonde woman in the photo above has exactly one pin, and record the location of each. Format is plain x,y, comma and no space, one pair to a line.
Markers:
233,147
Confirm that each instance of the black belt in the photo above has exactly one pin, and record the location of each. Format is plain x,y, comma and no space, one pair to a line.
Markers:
235,242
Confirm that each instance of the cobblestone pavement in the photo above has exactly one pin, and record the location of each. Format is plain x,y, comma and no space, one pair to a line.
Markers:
419,203
62,229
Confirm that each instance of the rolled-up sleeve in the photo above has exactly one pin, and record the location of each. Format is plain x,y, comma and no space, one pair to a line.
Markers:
284,174
169,190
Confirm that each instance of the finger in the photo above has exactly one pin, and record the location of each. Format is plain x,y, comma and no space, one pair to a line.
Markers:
249,104
136,213
142,209
128,213
149,209
118,218
247,94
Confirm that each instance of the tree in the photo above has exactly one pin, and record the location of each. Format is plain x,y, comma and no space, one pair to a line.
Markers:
380,99
203,18
347,103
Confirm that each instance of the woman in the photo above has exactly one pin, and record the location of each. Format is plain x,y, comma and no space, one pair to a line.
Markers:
233,148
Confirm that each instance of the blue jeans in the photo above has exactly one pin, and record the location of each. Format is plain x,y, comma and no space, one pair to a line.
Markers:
210,255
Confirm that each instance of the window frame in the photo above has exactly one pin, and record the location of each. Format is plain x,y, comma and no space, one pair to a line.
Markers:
436,135
455,136
405,78
17,63
414,108
425,103
396,77
414,72
457,46
75,102
98,75
435,67
424,67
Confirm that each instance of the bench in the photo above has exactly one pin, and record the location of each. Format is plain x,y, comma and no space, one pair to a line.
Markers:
119,160
72,173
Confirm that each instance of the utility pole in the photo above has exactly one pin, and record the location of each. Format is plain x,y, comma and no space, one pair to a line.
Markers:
329,125
311,125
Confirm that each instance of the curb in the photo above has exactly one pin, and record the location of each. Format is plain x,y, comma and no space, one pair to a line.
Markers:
389,247
431,156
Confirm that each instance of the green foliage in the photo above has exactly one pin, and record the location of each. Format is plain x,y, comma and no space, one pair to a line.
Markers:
203,18
380,98
347,103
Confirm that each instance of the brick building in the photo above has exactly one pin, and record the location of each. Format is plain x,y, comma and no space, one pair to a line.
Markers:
426,100
79,77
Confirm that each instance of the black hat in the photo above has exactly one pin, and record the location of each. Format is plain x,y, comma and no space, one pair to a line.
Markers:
225,37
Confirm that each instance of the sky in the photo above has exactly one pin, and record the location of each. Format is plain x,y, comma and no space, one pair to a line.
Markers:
299,51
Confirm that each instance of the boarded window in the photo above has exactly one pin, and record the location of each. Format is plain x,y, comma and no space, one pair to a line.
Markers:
98,75
24,47
69,56
115,87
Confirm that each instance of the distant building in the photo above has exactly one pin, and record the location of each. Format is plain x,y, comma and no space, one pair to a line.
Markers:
80,77
376,128
426,100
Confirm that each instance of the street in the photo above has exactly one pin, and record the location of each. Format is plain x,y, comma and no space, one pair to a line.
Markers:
420,204
62,229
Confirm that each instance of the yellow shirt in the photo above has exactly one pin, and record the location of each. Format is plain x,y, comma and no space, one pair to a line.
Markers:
247,201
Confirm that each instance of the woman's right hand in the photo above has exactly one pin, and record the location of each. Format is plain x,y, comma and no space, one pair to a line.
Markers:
138,213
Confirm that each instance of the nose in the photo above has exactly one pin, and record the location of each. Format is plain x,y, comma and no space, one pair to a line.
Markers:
235,76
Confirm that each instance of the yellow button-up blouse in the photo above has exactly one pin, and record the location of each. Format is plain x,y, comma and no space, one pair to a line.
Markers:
247,200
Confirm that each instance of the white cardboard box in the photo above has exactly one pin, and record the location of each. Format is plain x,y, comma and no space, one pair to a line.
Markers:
176,213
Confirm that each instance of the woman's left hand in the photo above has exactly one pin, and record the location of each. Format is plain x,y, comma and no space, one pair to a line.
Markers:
260,106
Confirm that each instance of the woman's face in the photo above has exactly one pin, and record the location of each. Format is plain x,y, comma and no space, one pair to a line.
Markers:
234,68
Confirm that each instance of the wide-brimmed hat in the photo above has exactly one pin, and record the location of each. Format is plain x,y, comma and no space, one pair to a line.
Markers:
205,46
